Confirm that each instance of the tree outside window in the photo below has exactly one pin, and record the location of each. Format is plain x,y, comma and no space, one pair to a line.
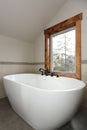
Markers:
63,52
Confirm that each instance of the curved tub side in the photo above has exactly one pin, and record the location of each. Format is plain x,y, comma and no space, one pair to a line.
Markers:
43,110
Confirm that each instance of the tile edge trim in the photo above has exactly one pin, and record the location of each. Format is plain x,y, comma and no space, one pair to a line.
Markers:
84,61
20,63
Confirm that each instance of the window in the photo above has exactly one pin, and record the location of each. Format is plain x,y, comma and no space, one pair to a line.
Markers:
63,47
63,51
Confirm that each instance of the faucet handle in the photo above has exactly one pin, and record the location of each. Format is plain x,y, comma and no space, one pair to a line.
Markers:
52,73
57,75
43,71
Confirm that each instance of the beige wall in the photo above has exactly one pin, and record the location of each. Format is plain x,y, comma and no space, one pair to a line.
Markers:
15,50
15,57
39,48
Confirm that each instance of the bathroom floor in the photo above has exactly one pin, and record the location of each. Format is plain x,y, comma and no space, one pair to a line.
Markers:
9,120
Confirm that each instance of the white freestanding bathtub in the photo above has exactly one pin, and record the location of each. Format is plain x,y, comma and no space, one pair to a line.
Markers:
44,102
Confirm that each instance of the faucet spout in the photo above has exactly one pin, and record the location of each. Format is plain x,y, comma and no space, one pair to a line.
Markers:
43,71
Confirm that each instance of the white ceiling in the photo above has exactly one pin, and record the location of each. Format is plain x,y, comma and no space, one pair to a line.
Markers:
26,19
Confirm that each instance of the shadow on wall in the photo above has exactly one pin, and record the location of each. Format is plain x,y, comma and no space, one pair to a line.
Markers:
2,90
85,97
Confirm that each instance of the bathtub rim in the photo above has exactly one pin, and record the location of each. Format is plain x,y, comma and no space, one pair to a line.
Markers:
42,89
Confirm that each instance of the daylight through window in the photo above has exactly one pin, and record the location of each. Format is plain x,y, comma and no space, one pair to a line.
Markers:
63,51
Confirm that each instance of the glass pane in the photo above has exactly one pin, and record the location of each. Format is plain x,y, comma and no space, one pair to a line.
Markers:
63,52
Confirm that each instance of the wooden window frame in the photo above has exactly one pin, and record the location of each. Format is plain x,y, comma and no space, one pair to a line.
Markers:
71,22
